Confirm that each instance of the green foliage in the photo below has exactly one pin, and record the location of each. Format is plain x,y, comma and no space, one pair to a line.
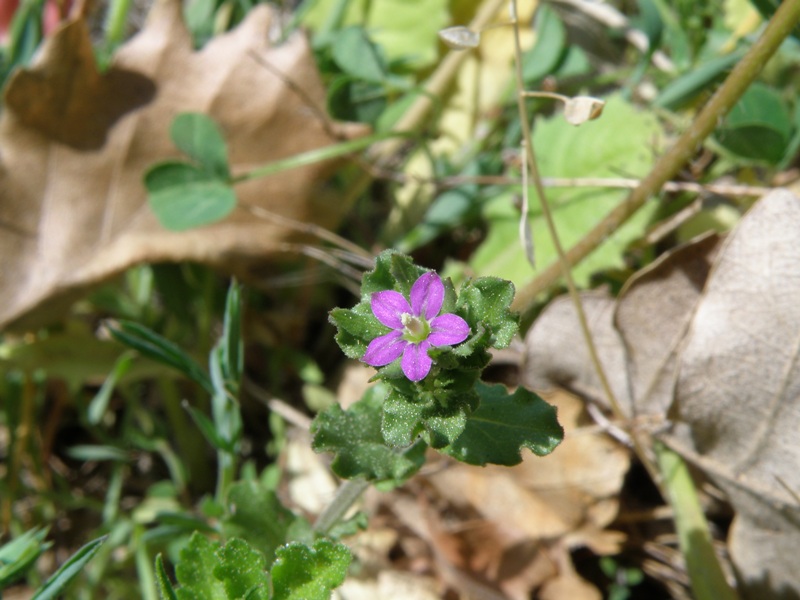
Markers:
211,571
504,424
595,149
18,555
758,127
54,587
441,407
303,573
257,516
156,347
186,195
358,444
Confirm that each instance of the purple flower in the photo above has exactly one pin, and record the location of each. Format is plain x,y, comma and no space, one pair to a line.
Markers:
415,328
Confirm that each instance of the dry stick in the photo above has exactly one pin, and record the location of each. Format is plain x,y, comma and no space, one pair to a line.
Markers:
742,75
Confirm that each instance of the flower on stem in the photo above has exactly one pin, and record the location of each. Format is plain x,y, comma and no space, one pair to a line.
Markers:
415,327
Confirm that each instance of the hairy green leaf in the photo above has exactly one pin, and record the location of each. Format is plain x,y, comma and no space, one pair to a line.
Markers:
303,573
504,424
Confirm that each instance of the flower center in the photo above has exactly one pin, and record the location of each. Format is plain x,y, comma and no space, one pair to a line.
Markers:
415,329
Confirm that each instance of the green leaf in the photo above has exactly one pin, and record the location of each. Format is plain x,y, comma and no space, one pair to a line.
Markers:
354,437
165,589
195,571
231,344
242,571
357,327
99,404
595,149
210,431
18,555
183,196
153,346
356,55
550,47
440,422
54,586
487,301
700,79
503,425
303,573
758,127
198,136
258,517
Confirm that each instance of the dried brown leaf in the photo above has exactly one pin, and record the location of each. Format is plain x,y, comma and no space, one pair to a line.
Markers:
74,145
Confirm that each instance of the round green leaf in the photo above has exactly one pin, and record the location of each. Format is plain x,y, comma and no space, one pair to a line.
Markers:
183,197
198,136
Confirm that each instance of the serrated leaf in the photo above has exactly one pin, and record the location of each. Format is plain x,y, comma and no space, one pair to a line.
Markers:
198,136
486,301
355,438
404,272
356,328
195,570
439,422
158,348
303,573
242,571
54,586
258,517
504,424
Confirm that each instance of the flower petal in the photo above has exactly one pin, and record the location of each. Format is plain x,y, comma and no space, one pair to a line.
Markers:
387,306
385,349
427,295
447,330
416,363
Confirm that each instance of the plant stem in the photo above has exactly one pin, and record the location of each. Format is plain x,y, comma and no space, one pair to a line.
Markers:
705,573
346,496
740,78
316,155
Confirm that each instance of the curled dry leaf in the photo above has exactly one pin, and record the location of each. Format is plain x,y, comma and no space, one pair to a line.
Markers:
711,339
75,143
460,38
580,109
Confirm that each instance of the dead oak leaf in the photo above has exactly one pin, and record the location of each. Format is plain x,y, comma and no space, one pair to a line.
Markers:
72,202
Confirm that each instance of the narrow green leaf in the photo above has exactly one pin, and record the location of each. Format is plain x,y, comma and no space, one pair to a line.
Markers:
165,589
87,452
503,425
231,343
355,438
198,136
19,555
699,79
153,346
303,573
209,430
55,585
99,404
550,47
